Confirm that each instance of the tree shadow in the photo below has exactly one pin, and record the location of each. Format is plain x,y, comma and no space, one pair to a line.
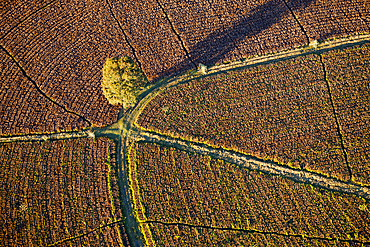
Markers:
221,44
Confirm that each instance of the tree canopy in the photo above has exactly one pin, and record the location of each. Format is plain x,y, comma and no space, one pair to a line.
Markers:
122,81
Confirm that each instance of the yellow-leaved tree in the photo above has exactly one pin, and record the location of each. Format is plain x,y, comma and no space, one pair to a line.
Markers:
122,81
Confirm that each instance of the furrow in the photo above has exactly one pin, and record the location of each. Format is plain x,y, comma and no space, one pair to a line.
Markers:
124,34
345,154
84,234
251,231
254,163
176,33
38,88
299,24
27,17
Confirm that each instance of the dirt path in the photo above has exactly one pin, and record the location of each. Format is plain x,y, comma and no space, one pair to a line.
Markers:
253,163
45,137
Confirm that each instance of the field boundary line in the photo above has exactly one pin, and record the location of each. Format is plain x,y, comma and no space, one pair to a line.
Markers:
123,32
250,231
345,154
296,19
29,16
46,137
38,88
253,163
176,33
84,234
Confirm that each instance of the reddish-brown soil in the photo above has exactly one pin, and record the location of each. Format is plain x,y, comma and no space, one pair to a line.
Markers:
52,191
280,112
157,46
348,73
62,45
23,110
222,30
172,186
14,11
63,49
325,19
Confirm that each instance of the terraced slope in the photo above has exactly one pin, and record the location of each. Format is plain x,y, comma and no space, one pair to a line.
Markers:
60,193
186,199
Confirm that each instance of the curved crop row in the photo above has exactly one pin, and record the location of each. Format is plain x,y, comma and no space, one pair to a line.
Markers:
12,12
63,49
23,110
57,190
173,187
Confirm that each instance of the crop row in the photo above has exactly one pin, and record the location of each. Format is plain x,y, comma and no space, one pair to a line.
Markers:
63,49
23,110
324,19
178,235
150,33
227,30
280,112
174,186
348,73
12,12
57,190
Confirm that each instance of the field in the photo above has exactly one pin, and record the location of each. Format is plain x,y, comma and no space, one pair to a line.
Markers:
220,31
24,110
62,49
163,54
177,194
274,134
348,73
176,235
59,190
324,19
259,111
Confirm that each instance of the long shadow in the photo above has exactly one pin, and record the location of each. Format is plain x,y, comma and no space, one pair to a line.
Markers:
219,45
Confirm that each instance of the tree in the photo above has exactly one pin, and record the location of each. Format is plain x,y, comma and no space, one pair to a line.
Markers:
122,81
